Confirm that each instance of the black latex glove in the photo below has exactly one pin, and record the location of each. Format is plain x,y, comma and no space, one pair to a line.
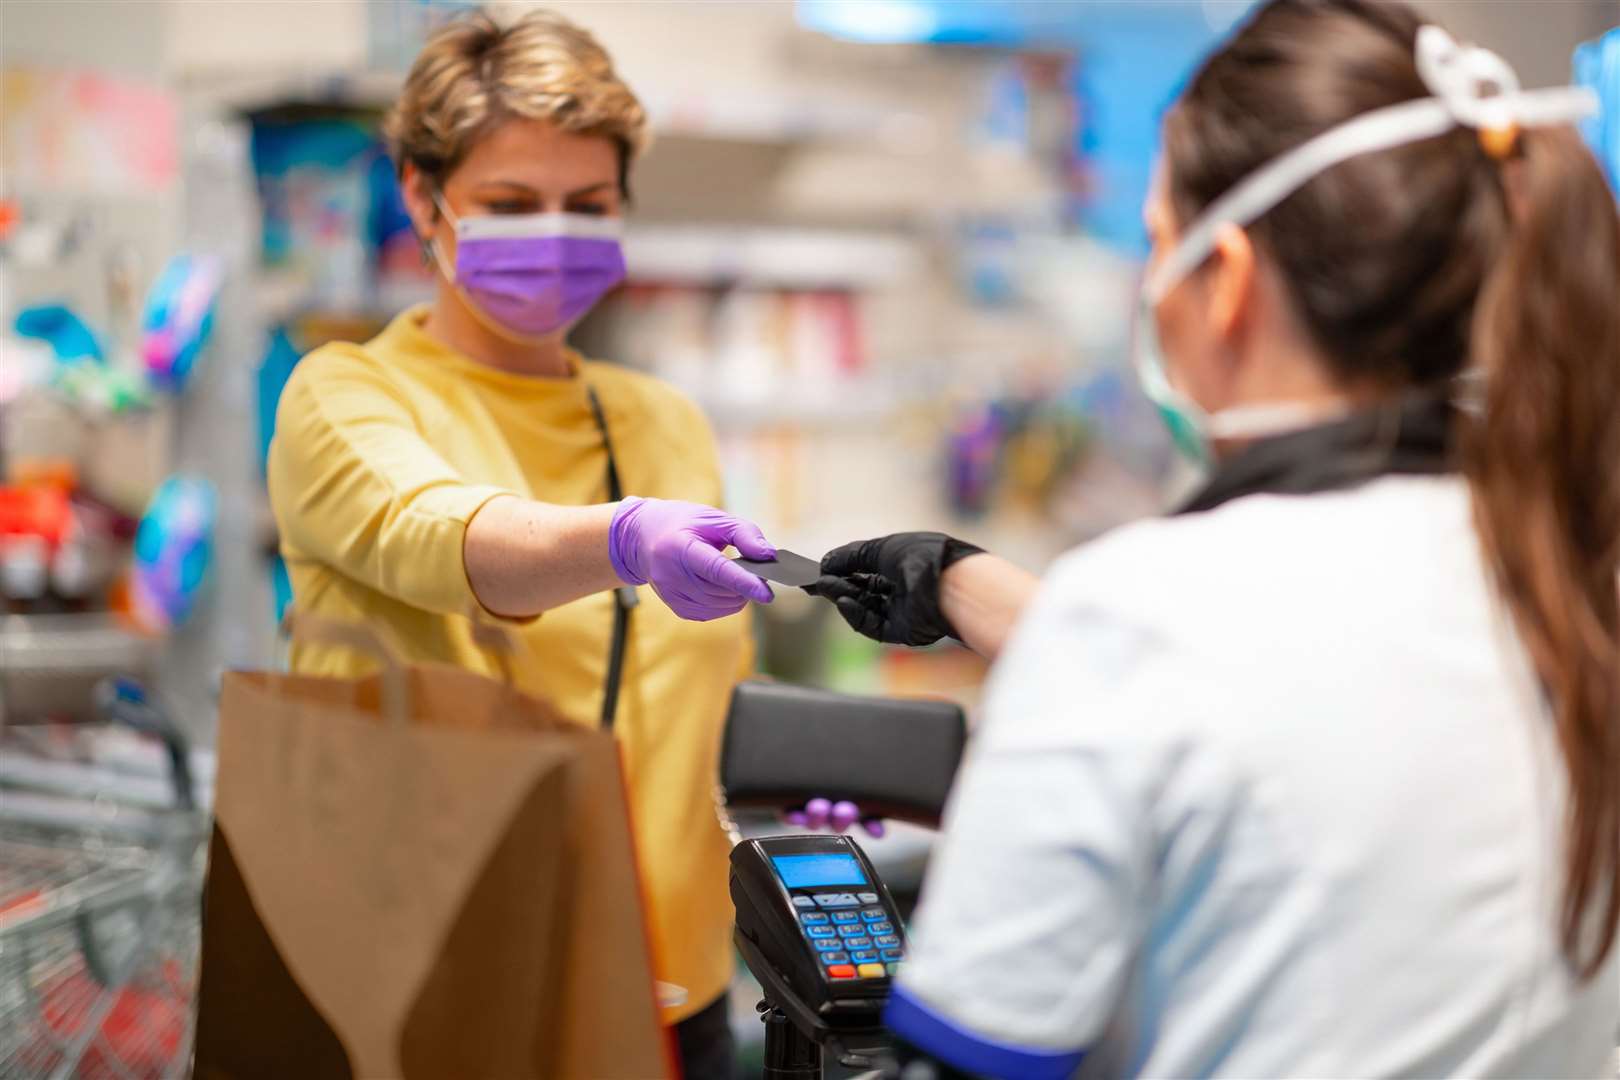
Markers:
888,588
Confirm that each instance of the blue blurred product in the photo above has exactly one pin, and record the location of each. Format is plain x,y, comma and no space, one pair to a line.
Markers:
173,547
333,216
178,318
1597,65
281,594
67,334
280,357
989,262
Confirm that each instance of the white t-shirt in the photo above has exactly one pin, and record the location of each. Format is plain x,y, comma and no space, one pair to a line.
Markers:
1263,791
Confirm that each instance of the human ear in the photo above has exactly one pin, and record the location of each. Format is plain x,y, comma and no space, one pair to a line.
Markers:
416,191
1233,281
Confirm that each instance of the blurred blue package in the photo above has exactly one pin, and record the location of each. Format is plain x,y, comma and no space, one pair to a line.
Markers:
1597,65
280,357
69,337
174,544
178,318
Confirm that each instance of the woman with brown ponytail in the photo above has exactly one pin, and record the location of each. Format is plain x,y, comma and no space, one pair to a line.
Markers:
1320,775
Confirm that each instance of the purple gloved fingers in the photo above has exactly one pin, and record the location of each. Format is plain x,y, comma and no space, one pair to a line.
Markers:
695,610
750,542
707,565
675,547
819,813
844,814
700,601
816,813
701,592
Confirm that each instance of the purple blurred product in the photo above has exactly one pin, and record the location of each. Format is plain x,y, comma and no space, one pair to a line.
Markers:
972,451
534,274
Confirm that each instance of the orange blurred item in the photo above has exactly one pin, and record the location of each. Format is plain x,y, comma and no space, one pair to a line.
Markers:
41,510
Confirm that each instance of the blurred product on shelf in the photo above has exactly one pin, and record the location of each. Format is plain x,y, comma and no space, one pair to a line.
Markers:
275,368
173,547
56,325
178,318
334,233
88,131
972,446
1597,65
44,439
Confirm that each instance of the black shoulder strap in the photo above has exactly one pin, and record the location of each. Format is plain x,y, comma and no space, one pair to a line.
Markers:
624,597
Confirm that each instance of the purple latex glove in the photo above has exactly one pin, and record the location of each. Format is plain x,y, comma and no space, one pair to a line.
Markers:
837,816
676,547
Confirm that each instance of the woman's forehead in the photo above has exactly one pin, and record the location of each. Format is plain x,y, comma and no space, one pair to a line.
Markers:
540,155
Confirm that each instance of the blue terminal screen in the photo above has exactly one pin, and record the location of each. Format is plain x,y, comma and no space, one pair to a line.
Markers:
807,871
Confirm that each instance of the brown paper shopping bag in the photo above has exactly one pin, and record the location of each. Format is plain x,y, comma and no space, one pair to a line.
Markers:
421,874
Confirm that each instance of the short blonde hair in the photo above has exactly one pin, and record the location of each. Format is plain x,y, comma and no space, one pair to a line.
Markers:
473,74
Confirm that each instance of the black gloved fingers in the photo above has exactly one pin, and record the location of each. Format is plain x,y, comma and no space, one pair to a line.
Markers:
875,583
860,557
833,588
861,619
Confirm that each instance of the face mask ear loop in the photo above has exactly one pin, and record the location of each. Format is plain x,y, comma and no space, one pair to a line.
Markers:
445,267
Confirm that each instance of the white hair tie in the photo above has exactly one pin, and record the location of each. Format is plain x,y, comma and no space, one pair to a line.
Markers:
1481,91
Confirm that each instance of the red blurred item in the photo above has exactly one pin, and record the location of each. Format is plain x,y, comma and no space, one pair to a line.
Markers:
140,1036
46,512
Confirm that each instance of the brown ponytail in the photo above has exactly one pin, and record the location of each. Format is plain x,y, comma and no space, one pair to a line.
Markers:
1409,265
1544,463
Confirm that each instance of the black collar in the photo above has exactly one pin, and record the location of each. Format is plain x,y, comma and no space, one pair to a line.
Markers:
1412,437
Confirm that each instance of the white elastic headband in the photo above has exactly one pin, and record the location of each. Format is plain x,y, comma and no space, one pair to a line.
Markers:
1457,75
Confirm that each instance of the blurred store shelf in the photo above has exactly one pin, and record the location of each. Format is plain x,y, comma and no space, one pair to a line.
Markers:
682,115
770,257
802,404
49,663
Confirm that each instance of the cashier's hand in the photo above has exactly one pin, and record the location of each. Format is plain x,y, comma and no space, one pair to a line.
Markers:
888,588
676,547
837,816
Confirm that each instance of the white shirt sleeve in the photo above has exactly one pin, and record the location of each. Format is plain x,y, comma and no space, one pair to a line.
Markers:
1040,888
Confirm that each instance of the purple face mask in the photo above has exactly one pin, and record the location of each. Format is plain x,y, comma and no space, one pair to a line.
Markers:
533,274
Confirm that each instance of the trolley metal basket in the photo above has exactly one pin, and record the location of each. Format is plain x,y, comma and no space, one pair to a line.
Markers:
99,928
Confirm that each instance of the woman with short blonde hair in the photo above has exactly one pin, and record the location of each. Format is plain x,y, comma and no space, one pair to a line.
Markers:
466,460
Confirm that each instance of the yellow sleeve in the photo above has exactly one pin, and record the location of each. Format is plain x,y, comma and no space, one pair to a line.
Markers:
353,485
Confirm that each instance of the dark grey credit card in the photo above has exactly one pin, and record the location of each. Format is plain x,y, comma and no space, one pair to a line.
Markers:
787,569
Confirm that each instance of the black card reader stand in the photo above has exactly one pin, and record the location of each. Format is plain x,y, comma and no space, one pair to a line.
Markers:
811,1014
797,1039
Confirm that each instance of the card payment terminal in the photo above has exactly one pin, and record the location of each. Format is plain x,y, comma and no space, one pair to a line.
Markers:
818,929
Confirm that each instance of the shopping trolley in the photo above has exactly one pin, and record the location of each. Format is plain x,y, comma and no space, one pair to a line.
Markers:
99,914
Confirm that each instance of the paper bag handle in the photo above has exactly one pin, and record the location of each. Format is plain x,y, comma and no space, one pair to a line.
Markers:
396,696
501,642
